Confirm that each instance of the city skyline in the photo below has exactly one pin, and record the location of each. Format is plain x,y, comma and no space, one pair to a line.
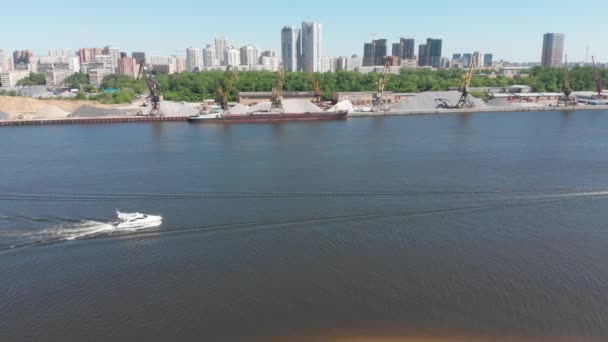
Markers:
496,29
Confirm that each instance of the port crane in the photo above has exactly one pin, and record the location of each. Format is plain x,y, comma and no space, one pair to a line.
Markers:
153,87
379,104
316,86
277,92
598,80
225,89
566,98
465,99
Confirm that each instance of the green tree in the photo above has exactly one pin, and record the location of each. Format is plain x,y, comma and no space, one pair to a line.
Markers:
77,80
32,79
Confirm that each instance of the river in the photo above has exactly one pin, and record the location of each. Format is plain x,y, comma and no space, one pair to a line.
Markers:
476,227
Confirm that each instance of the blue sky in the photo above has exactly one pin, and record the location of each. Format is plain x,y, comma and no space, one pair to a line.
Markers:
512,30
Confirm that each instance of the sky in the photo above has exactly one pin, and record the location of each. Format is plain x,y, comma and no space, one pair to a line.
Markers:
511,30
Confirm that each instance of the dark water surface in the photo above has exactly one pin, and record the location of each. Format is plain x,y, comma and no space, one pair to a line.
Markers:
487,225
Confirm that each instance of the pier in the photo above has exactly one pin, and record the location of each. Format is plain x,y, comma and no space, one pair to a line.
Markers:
98,120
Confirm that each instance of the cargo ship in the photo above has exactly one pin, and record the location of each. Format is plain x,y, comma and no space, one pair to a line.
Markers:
266,117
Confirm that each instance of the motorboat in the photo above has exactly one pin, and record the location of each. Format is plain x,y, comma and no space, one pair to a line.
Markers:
137,220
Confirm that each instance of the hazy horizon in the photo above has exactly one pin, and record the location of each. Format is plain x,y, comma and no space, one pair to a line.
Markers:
511,32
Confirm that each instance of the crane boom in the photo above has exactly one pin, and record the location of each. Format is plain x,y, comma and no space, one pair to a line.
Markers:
598,79
225,89
316,86
379,104
153,87
567,98
465,100
277,92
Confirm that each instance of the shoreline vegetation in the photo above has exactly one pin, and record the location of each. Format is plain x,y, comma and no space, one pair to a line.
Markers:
200,86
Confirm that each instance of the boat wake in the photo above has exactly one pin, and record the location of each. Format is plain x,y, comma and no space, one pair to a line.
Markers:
69,230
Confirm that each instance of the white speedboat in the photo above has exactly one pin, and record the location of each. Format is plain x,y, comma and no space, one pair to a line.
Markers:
137,221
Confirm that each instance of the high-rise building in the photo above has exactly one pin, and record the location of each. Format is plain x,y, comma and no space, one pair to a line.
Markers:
209,56
193,59
553,50
24,57
354,63
457,58
375,53
466,59
232,57
404,49
429,54
221,44
479,58
369,49
180,64
87,55
409,48
115,54
250,55
488,60
139,57
128,66
311,46
291,48
397,50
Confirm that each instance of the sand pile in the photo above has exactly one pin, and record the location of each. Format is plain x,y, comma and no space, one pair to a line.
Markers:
94,112
300,106
343,105
170,108
239,109
18,105
433,101
48,112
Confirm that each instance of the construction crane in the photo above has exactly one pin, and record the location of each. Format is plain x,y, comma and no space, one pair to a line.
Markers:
465,99
153,87
379,104
598,80
316,86
225,89
567,99
277,92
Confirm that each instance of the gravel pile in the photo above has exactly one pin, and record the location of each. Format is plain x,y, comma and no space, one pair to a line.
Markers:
290,106
94,112
176,108
239,109
433,101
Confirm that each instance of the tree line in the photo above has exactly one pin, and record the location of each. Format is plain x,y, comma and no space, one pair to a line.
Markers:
199,86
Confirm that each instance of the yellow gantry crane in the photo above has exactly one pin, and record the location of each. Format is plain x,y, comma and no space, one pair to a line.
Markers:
225,89
316,86
567,99
465,99
277,92
598,80
379,104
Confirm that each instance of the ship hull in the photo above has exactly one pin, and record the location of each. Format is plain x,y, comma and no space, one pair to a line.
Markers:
270,117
